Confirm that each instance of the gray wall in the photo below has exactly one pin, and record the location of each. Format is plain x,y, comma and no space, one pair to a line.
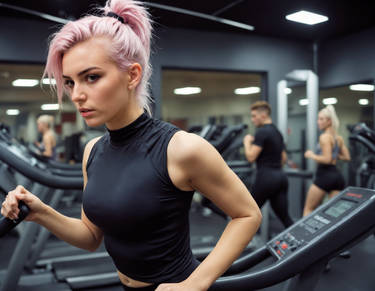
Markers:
26,41
347,60
23,40
193,49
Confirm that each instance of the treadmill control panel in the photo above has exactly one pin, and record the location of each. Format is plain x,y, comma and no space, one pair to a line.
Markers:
329,216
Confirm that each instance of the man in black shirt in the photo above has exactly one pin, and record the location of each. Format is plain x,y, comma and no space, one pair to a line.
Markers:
268,151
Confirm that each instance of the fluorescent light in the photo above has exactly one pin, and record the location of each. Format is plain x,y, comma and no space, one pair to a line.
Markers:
329,101
306,17
25,83
187,90
303,102
47,81
362,87
12,112
363,101
247,90
50,106
288,91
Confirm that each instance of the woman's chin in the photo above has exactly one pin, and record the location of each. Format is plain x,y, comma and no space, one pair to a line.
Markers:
93,123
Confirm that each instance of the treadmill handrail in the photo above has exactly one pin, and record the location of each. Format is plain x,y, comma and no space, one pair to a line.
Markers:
40,176
363,140
298,173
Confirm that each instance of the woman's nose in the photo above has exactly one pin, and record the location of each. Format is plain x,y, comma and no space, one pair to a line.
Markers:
78,95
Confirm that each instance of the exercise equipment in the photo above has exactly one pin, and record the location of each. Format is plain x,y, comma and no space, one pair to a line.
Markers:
302,251
7,224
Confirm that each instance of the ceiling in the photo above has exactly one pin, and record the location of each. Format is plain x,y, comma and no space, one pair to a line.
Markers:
267,16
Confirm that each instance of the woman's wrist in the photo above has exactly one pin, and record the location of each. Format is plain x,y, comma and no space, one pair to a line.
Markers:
41,215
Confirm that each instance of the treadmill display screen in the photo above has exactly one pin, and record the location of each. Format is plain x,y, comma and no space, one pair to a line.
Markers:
339,208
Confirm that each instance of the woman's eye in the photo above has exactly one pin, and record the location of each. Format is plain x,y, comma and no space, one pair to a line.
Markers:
92,78
69,84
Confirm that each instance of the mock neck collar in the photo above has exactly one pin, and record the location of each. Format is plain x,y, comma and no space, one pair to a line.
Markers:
120,136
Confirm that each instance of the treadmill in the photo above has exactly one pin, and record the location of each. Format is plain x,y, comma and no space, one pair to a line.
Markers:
303,249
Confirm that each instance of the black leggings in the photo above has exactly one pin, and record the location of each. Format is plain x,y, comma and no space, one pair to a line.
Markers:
272,184
148,288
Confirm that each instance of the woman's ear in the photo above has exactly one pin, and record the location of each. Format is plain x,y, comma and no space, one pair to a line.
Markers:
135,75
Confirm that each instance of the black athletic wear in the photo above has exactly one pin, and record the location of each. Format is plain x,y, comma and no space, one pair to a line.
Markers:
269,138
328,177
271,183
130,197
148,288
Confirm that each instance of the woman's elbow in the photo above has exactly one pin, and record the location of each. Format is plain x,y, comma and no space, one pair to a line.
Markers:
256,214
92,247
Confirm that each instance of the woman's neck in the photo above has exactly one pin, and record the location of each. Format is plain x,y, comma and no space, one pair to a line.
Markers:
330,131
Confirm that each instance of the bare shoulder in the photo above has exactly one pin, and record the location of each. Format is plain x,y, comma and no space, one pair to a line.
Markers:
326,138
88,148
186,146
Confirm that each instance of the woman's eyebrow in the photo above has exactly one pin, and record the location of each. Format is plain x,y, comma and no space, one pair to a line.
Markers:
82,72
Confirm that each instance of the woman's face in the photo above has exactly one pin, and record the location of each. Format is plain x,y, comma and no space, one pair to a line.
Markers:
41,126
323,121
102,93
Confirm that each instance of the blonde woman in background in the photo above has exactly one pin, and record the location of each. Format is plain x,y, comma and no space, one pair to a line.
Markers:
48,143
331,147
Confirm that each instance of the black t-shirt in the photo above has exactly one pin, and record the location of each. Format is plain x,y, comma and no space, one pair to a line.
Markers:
269,138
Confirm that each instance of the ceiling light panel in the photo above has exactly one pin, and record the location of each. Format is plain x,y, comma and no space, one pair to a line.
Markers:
306,17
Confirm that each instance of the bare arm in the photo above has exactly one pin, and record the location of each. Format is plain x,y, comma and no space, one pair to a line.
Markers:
252,151
344,153
78,232
49,143
194,164
326,146
284,157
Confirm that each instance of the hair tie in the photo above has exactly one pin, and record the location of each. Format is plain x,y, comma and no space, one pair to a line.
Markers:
114,15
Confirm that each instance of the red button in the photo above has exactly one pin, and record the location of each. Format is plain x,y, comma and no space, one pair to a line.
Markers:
284,246
279,253
277,242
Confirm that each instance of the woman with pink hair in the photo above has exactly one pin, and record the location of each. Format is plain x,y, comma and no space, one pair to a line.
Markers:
139,177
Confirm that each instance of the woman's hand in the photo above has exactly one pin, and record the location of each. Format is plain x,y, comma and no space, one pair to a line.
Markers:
10,205
182,286
309,154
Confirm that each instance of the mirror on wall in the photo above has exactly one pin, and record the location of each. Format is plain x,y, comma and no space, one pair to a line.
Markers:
212,103
354,103
24,96
193,98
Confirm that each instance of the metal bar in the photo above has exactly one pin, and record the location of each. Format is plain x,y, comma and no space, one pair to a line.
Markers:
44,233
282,109
35,13
155,5
312,90
20,254
221,10
201,15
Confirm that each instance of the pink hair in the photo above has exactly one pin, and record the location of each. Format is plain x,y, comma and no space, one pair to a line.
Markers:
130,42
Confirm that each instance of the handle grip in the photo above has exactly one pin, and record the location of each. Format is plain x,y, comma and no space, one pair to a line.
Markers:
7,224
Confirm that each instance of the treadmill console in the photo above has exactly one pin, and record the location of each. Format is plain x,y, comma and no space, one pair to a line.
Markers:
336,213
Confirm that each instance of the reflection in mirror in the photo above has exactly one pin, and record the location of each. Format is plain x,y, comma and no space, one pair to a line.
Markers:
24,96
194,99
215,100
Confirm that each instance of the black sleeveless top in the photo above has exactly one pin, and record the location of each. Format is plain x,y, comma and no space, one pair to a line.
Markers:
130,197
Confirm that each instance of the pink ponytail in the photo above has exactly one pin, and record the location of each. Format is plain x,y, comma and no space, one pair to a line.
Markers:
130,42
